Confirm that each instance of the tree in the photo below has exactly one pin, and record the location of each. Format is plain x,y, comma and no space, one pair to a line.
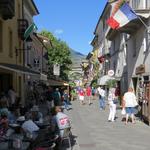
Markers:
59,53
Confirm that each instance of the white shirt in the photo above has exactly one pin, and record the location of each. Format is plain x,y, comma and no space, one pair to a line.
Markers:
130,99
30,126
12,96
62,120
111,97
101,92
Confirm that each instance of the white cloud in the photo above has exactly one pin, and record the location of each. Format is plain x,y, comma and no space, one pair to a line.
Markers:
58,31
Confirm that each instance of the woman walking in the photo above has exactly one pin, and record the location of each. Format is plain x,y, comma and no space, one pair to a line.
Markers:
112,105
81,96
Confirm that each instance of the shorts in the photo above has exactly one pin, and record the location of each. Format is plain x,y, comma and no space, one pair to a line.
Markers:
130,110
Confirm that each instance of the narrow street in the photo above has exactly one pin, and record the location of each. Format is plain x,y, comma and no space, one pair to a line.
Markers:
92,131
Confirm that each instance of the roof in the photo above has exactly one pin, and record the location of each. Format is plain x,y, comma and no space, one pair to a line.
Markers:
35,6
100,17
108,2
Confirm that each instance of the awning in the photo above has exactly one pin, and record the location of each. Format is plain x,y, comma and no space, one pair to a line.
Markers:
52,82
103,80
18,69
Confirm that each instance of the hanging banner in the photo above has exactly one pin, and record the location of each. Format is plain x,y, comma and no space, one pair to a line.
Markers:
56,69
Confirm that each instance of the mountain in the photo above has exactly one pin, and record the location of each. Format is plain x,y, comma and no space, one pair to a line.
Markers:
76,57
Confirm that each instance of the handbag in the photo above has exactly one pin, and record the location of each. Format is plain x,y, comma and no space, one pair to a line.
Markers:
115,101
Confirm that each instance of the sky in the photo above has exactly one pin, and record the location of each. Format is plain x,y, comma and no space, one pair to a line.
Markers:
72,21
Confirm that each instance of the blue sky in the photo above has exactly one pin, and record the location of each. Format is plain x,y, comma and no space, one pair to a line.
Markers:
73,21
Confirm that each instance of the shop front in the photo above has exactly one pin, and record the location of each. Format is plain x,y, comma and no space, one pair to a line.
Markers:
143,92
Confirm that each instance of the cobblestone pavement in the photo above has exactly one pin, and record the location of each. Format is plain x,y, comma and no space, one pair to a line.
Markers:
92,131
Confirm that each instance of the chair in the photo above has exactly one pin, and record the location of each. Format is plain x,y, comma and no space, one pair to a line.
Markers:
66,135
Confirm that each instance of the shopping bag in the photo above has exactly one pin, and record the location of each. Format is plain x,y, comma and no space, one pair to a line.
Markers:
123,111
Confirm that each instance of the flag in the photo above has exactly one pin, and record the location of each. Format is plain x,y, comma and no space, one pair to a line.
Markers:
123,15
29,30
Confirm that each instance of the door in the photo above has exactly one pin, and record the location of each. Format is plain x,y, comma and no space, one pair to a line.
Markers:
146,102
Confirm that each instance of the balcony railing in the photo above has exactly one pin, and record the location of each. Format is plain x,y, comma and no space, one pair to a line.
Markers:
7,9
140,4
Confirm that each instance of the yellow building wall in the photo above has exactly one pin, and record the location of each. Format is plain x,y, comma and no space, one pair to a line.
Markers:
7,54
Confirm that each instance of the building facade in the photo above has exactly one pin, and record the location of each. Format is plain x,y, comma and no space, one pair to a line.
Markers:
128,49
10,44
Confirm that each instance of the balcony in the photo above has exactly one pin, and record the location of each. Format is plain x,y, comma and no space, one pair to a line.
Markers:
7,9
140,4
129,28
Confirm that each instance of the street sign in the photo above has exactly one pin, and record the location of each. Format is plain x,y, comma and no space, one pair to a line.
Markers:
56,69
29,30
110,73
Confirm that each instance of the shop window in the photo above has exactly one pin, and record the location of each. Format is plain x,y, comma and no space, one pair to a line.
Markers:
1,36
10,43
146,78
146,42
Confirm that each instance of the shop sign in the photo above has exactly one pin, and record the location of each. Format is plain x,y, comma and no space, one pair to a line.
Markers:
110,73
140,69
56,69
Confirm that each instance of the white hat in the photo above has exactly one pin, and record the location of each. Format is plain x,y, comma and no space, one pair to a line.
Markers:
21,118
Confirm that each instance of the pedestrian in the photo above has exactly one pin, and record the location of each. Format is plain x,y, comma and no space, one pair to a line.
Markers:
49,98
62,120
81,96
130,104
12,96
112,105
66,99
88,94
57,97
102,93
36,115
93,92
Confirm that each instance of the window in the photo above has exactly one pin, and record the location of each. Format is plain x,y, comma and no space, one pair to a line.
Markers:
20,52
136,4
144,44
141,4
1,36
19,12
10,43
148,4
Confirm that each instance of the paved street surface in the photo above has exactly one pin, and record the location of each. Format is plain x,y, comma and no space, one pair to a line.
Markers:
91,131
